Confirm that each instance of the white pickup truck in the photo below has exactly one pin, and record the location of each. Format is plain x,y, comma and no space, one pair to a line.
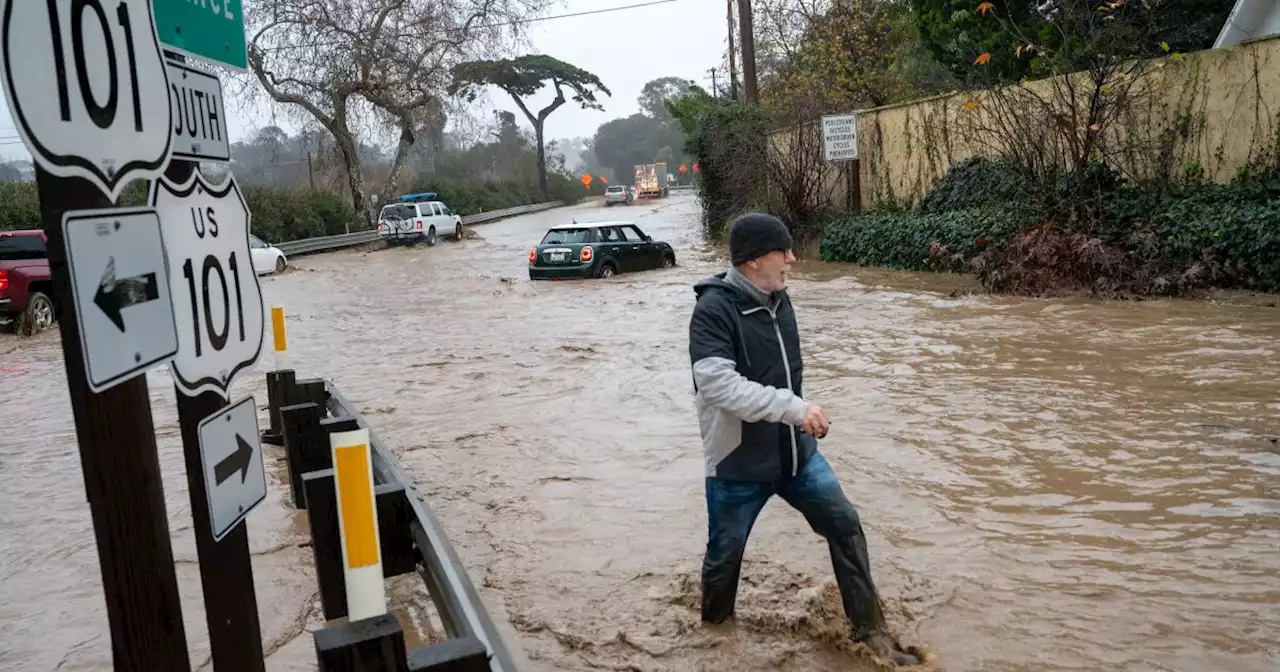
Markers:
417,218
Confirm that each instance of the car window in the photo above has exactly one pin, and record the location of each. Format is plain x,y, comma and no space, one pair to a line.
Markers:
615,190
445,209
436,209
610,234
568,237
255,243
397,212
15,248
633,233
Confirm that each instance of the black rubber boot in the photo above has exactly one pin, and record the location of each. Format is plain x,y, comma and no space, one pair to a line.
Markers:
884,646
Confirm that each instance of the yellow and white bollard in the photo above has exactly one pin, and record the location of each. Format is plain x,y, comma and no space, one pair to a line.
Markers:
277,331
358,524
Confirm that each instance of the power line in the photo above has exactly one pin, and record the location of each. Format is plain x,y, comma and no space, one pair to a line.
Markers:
500,24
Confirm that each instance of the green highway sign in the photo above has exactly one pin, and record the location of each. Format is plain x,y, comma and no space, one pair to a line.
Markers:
211,30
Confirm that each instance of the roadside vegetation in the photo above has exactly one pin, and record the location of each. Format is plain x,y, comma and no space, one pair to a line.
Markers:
1071,186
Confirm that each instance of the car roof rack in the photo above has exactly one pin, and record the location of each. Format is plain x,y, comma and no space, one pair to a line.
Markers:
425,196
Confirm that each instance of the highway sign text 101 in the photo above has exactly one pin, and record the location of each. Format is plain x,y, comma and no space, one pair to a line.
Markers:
87,85
216,297
103,115
204,222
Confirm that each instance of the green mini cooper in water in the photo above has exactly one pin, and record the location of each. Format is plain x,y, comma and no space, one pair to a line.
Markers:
597,250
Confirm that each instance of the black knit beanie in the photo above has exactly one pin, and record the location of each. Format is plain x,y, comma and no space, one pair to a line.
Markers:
756,234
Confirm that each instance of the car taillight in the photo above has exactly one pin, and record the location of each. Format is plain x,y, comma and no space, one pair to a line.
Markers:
419,223
533,255
4,279
585,256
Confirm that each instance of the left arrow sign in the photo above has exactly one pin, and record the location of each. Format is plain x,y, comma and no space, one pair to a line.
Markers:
120,286
114,295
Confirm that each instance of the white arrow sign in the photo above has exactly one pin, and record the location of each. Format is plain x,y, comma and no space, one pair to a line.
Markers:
120,286
235,480
215,291
87,88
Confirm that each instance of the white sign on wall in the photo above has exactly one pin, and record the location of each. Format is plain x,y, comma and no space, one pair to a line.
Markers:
840,137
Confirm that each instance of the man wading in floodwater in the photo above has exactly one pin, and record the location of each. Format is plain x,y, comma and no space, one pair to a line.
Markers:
758,431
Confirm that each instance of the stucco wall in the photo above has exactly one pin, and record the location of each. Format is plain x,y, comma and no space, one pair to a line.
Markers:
1211,111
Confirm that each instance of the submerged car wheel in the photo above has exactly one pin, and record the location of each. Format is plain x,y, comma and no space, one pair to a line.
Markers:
431,236
457,232
668,260
38,315
280,264
607,271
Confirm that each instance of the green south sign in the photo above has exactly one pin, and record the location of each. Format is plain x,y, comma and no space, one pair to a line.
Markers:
212,30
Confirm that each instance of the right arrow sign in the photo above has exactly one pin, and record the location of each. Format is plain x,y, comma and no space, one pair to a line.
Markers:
235,462
231,455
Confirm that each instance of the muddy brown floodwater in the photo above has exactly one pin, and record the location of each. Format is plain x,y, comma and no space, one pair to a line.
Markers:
1046,485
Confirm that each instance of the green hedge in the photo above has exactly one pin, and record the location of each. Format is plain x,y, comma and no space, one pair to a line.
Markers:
1229,231
19,206
975,182
1146,242
1093,230
911,240
280,215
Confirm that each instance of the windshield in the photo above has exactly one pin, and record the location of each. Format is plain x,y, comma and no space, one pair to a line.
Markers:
567,237
615,190
15,248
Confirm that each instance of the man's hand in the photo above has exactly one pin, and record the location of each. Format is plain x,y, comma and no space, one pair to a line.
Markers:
816,421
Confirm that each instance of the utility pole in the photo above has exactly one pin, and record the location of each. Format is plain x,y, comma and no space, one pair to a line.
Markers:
311,175
733,67
748,52
715,88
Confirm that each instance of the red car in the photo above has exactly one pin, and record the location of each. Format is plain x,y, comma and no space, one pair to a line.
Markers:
26,289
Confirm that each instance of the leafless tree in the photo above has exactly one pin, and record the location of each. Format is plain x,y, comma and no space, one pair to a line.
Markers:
780,27
802,183
379,62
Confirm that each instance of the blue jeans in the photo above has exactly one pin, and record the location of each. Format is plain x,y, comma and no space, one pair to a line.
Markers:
732,509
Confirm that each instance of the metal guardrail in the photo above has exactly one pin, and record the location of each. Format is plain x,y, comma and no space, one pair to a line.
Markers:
457,602
304,413
324,243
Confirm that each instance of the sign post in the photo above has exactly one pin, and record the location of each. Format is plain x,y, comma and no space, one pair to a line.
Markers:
218,305
89,98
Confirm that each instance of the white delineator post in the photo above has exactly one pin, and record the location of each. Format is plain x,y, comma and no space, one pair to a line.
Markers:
358,524
281,344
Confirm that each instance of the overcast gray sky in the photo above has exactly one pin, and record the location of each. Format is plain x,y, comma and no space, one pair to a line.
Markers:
624,48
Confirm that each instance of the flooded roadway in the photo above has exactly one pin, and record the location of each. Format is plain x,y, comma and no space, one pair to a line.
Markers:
1065,485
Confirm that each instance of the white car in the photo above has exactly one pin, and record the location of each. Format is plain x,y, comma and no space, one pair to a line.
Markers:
418,218
266,258
617,193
